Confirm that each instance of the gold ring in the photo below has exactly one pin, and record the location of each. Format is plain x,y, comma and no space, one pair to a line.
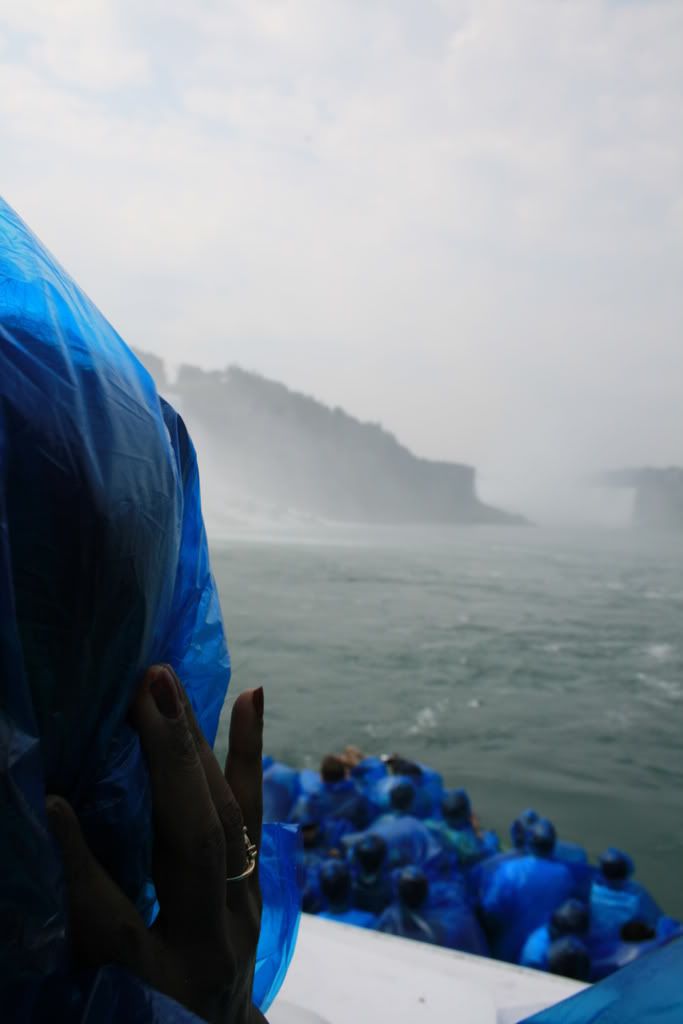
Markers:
252,854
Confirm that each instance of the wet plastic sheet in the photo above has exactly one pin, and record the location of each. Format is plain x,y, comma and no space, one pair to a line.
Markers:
280,864
648,990
104,570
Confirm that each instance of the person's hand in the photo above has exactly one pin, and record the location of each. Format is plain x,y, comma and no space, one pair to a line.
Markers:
201,950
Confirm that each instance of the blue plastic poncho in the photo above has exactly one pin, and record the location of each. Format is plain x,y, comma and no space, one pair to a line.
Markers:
615,903
647,990
428,791
454,922
367,772
280,791
608,957
535,950
339,806
453,926
462,847
408,841
518,895
372,894
309,781
104,570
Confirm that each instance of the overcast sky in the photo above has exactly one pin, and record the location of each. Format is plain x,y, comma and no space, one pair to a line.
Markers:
461,219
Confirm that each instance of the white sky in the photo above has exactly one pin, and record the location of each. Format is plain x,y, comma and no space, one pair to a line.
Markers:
461,219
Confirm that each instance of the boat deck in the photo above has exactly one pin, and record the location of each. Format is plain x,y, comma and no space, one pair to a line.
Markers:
346,975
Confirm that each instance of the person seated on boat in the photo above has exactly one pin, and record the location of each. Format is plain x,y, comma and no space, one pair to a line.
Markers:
366,774
401,799
414,915
571,853
571,918
372,889
280,790
635,939
380,787
519,829
407,838
648,991
352,756
335,883
451,907
454,832
519,894
428,784
615,898
402,917
338,803
314,856
570,957
341,798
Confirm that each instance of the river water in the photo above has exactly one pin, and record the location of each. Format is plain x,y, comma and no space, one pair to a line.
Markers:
536,668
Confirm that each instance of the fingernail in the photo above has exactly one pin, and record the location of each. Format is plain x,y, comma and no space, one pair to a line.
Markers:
165,693
56,818
258,702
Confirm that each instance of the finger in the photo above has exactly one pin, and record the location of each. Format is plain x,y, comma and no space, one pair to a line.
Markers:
224,801
243,767
189,844
105,926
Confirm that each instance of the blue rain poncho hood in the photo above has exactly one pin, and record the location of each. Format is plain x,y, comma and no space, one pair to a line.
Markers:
104,570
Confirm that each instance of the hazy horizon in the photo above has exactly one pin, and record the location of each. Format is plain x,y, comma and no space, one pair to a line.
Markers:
461,220
569,502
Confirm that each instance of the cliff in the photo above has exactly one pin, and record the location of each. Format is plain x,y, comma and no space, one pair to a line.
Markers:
658,495
276,450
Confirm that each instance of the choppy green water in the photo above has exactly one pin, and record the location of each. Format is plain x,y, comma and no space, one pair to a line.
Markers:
534,668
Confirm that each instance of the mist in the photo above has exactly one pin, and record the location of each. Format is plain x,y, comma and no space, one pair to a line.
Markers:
463,222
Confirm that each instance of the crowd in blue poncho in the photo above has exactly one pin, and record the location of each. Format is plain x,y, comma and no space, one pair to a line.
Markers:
388,847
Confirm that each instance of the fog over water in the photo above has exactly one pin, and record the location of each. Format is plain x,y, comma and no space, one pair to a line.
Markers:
462,220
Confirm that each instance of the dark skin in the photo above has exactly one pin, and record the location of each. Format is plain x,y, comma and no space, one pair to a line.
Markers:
201,950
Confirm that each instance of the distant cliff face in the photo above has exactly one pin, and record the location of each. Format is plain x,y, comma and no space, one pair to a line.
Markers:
658,495
265,447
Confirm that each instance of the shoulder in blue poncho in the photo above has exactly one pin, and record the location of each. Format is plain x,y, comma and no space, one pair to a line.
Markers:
104,570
